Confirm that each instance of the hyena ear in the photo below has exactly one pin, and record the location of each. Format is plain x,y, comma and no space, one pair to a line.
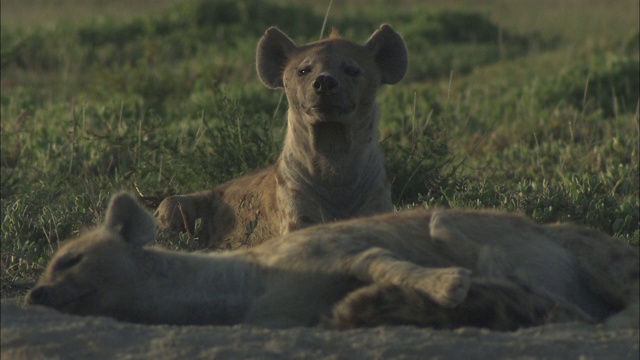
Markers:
128,218
271,57
390,54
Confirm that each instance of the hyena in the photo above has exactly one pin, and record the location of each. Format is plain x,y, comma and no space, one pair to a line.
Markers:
331,166
434,268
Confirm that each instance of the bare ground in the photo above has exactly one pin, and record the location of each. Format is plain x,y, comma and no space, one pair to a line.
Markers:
37,333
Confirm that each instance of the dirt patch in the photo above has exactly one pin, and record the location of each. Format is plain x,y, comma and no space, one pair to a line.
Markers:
36,333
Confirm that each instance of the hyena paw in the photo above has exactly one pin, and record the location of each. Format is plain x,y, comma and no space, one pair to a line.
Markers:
176,213
447,287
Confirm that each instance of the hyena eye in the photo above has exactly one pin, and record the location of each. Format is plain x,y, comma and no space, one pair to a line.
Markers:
304,71
67,262
352,70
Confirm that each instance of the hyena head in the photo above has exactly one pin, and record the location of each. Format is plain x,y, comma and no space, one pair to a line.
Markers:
96,274
331,84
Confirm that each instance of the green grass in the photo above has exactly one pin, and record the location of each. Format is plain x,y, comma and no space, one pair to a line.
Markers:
517,105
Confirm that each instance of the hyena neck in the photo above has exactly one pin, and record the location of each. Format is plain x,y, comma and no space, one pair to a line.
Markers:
191,289
333,153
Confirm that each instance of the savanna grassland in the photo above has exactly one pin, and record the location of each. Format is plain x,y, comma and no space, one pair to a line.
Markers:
528,106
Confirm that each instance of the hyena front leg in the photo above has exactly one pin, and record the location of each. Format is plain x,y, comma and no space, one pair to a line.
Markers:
445,286
503,306
386,304
180,212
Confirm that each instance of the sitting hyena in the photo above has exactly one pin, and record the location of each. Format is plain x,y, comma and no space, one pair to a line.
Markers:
331,166
405,268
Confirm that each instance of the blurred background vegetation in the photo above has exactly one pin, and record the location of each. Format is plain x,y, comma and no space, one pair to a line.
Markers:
528,106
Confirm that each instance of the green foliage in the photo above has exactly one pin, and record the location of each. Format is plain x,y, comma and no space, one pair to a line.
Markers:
415,141
608,82
228,143
170,102
460,41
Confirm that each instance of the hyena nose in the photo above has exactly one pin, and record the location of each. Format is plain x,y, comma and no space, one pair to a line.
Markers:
325,83
36,295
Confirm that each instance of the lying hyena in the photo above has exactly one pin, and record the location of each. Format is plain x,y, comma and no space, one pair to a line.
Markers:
405,268
331,166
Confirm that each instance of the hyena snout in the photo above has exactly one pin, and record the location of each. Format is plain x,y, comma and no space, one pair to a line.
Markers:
325,84
37,295
328,95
